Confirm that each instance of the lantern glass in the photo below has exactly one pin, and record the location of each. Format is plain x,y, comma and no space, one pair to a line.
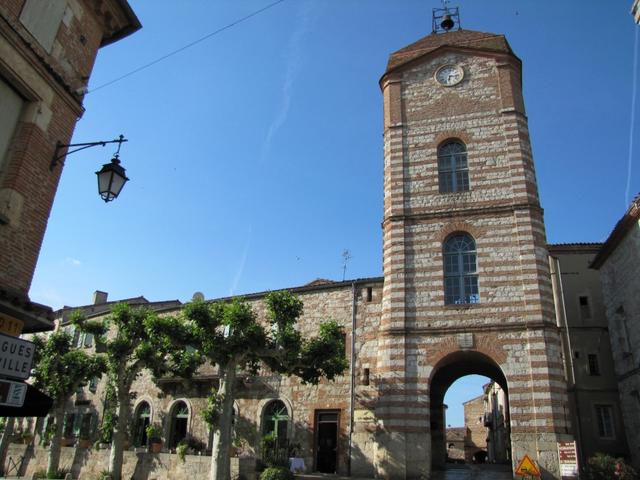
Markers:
111,179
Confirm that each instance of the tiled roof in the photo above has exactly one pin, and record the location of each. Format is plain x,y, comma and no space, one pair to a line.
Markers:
459,38
626,223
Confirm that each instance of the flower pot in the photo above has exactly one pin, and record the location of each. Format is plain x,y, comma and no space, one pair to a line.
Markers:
84,443
155,447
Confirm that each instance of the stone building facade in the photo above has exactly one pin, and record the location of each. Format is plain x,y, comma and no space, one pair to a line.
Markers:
467,289
47,51
454,110
594,407
619,263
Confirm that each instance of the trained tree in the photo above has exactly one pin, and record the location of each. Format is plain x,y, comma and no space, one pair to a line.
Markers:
228,335
135,339
59,370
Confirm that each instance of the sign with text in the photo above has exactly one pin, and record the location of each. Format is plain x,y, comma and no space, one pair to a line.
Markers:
10,326
12,393
16,357
568,459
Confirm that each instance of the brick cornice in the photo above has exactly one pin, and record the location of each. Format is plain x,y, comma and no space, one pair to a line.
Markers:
484,211
464,328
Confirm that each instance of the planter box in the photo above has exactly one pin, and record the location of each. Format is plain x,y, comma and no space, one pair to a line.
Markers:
155,447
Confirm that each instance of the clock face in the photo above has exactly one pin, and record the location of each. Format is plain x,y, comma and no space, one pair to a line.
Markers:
449,75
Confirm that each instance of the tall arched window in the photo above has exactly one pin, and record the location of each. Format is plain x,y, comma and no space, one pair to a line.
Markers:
179,423
460,270
453,171
276,421
142,418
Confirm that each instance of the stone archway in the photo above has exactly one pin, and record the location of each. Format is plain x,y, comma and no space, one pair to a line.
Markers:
449,369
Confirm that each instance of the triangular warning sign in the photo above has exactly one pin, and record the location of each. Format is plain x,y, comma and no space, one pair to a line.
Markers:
526,468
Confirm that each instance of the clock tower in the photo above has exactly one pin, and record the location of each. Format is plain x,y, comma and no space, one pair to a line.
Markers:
466,276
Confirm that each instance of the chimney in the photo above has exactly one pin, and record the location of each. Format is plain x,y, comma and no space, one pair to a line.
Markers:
99,297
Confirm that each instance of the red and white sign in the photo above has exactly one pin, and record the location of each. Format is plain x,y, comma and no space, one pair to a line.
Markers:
568,459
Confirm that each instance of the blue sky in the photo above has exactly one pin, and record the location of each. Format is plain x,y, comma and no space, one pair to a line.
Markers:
255,156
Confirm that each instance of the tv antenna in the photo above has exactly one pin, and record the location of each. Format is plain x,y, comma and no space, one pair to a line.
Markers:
346,256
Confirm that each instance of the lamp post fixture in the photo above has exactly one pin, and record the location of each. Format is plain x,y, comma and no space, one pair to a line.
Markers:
111,177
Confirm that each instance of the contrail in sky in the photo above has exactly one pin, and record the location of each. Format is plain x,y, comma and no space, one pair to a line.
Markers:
634,90
294,54
243,262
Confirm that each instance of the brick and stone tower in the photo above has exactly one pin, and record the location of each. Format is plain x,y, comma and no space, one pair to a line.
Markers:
466,276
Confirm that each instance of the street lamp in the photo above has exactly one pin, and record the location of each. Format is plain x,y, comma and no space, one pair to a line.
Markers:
111,177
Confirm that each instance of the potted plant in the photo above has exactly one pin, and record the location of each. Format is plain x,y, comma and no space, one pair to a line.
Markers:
154,437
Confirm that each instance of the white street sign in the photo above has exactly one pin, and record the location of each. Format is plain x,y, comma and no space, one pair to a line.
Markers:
16,357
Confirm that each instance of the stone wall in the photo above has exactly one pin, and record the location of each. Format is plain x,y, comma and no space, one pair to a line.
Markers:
138,465
346,303
622,303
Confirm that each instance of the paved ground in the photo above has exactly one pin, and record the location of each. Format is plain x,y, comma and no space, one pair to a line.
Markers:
453,472
474,472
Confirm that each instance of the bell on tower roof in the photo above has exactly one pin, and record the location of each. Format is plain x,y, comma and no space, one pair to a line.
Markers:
445,19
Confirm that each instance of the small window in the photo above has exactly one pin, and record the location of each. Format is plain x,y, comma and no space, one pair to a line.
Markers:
179,423
594,367
87,426
453,172
369,294
585,308
71,426
604,417
142,419
11,108
366,376
87,340
43,19
276,421
93,384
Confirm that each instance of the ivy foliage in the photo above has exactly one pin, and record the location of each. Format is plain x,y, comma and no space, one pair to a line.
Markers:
60,368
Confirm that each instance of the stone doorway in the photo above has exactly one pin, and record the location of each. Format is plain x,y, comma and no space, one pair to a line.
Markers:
495,418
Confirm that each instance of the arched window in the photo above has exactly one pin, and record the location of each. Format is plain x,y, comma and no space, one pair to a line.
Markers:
276,421
142,418
460,270
179,423
453,171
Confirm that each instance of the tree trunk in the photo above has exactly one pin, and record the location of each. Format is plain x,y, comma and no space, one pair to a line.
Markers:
5,441
119,432
220,462
54,448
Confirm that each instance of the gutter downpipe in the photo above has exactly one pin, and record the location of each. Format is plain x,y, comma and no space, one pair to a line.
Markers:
352,372
561,315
